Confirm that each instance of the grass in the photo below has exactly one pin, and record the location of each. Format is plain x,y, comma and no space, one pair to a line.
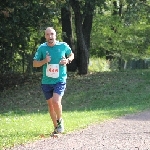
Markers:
98,65
89,99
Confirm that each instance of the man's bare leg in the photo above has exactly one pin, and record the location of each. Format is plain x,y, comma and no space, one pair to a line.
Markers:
57,105
58,110
52,112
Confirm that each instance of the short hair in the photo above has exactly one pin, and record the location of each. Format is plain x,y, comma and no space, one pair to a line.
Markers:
50,28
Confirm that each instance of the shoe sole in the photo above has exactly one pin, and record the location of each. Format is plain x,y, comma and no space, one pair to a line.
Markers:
56,135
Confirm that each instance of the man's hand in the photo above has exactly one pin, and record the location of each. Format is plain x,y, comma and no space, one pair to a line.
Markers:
63,61
48,58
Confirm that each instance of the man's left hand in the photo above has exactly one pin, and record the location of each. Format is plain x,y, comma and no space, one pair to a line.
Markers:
63,61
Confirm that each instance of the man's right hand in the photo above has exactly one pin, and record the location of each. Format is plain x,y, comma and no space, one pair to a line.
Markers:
48,58
42,62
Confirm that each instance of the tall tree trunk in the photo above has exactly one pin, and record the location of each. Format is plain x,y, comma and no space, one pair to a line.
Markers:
87,23
109,54
66,18
83,24
116,11
120,58
82,52
29,69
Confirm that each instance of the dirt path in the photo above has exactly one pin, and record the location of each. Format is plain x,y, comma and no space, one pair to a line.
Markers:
131,132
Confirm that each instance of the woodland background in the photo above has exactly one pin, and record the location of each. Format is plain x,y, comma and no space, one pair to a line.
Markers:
115,30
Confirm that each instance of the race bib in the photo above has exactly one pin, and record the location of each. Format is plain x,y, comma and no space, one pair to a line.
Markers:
52,70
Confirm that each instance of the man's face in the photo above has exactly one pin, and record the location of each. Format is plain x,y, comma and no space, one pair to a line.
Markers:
50,36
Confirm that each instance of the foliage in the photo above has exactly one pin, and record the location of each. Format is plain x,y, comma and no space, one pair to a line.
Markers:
98,65
126,36
89,99
22,22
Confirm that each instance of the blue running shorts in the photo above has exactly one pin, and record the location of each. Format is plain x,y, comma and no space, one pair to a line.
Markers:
49,89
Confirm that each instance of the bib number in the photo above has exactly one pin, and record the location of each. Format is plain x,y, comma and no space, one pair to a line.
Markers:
52,70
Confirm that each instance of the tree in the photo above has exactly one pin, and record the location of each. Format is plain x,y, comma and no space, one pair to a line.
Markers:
20,22
83,14
128,29
67,33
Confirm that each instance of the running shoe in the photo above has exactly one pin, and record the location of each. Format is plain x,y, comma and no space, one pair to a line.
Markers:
60,126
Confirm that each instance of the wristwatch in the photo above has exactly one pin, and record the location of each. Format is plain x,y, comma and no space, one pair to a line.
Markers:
69,61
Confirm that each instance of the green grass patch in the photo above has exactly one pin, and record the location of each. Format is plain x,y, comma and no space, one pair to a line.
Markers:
88,99
98,65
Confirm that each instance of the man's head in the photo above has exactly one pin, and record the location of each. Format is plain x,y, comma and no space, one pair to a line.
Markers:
50,35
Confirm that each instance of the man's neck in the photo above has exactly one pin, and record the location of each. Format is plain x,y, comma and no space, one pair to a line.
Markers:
51,43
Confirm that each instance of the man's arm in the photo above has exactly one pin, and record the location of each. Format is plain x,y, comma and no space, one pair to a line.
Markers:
40,63
68,60
70,57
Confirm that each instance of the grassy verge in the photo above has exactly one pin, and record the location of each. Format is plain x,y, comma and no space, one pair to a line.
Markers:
89,99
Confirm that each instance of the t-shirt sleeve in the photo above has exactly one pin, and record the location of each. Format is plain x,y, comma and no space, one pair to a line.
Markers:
38,55
68,49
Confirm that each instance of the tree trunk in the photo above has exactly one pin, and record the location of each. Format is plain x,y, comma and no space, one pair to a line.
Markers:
82,52
87,27
87,23
82,49
29,69
83,24
66,18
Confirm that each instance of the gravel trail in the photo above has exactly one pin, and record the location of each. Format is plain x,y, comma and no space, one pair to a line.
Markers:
131,132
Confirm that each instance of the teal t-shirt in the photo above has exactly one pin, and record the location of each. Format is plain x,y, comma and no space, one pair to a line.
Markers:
59,50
